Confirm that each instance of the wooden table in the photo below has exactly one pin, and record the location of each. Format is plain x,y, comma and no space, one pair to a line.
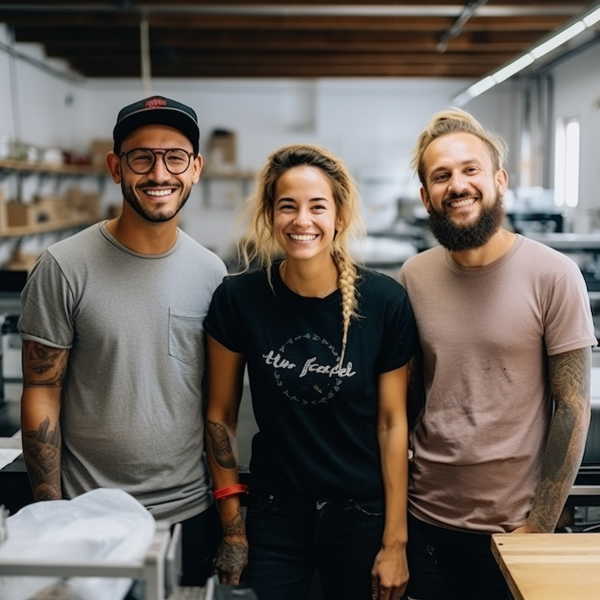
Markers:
550,566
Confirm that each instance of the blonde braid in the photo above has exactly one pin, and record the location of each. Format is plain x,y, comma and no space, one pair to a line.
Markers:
347,276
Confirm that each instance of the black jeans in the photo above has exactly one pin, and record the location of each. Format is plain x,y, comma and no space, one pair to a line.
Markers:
451,565
290,538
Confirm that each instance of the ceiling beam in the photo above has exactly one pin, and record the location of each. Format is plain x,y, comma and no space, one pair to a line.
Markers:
347,8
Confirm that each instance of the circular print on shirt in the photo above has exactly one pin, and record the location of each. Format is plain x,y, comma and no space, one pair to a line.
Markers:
307,369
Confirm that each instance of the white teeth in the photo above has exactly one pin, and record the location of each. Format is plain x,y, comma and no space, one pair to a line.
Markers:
302,238
460,203
159,193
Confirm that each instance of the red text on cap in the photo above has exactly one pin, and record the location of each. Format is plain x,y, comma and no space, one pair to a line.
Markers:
156,103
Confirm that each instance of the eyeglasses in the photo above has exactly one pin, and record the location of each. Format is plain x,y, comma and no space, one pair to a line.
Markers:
142,160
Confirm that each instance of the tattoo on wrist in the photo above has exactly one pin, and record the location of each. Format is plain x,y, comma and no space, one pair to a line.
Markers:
231,560
235,527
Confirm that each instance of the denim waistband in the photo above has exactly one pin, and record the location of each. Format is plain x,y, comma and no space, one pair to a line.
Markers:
318,502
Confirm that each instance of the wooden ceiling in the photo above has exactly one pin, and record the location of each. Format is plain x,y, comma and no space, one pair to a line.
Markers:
263,38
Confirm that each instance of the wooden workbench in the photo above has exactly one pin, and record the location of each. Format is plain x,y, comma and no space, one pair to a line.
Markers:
550,566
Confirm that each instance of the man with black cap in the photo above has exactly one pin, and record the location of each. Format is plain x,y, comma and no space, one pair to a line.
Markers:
113,349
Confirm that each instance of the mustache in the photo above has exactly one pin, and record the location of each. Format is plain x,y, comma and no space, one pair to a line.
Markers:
156,184
453,196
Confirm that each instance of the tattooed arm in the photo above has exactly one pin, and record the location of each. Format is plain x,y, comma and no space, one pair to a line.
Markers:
570,380
389,574
43,372
225,370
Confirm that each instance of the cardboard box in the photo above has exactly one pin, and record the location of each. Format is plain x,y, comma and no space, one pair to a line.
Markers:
51,208
222,150
19,214
83,203
98,151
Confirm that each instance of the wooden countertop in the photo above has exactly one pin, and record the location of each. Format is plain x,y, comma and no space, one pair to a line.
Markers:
550,566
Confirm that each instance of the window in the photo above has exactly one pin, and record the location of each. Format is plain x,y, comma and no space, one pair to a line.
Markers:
566,162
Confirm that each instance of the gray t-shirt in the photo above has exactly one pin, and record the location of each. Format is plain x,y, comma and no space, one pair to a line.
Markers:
131,408
486,334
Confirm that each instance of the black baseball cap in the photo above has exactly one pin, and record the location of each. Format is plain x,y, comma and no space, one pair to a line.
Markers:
157,110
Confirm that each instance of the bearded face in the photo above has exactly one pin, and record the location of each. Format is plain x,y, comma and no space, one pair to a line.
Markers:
458,237
462,191
154,214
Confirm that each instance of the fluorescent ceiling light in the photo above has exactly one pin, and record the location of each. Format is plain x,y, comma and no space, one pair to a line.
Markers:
592,18
483,85
513,68
558,40
571,30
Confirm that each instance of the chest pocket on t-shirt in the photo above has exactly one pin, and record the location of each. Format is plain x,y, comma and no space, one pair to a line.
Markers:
185,335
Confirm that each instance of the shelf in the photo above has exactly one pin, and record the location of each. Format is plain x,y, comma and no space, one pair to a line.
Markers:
19,166
49,226
22,169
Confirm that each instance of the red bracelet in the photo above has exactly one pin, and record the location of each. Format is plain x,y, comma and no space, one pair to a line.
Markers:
232,490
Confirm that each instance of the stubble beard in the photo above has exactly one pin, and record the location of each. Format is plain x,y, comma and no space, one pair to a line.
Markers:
160,216
459,238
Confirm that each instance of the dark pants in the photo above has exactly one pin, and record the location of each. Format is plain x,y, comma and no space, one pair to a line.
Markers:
200,538
451,565
289,539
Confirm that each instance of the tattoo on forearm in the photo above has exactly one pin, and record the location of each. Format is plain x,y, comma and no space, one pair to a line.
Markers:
221,445
570,380
236,526
42,453
43,365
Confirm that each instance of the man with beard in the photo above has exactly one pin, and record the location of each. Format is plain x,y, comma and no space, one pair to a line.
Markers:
506,335
113,345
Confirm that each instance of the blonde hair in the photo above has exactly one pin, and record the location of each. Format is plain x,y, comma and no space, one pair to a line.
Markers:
259,243
455,120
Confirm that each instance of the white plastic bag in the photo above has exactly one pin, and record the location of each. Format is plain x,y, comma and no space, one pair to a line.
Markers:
104,524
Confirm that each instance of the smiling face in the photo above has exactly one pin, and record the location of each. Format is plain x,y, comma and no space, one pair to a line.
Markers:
304,214
158,195
463,192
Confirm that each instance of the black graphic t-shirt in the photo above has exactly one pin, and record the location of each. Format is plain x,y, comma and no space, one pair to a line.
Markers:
317,419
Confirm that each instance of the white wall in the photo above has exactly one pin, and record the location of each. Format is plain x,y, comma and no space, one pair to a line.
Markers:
577,93
34,105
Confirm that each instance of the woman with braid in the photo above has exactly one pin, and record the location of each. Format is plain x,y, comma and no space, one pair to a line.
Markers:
326,344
